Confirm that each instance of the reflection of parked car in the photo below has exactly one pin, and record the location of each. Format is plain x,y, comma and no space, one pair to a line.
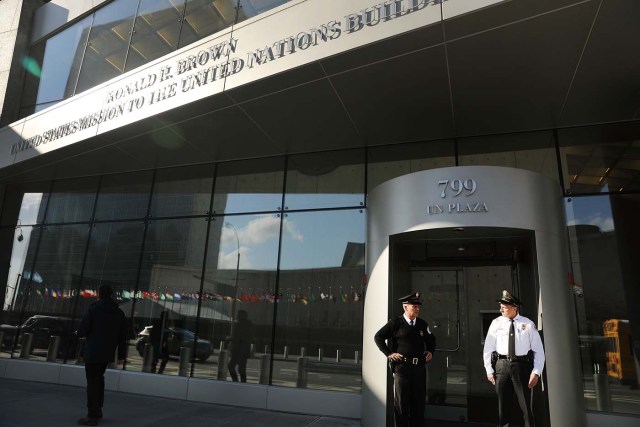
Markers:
176,338
43,328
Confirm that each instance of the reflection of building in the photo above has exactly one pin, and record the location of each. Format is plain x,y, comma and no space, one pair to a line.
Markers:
331,119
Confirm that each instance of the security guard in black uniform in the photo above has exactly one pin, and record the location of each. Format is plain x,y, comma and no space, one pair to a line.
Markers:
409,345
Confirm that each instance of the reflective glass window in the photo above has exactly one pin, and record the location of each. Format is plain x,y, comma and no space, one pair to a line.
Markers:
61,63
238,296
155,32
108,44
124,196
320,304
600,159
325,180
533,151
603,237
388,162
249,186
164,313
52,281
251,8
72,200
205,17
25,203
18,293
182,191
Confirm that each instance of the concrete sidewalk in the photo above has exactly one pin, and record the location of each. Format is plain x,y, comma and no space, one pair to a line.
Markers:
34,404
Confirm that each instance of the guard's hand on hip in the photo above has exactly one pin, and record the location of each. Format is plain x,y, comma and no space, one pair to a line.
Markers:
428,356
396,356
533,380
492,378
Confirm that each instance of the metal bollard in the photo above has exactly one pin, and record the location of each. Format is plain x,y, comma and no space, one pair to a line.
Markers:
603,393
221,346
320,355
285,353
303,364
264,369
303,352
27,344
252,351
1,340
338,356
356,357
147,358
52,352
223,360
185,360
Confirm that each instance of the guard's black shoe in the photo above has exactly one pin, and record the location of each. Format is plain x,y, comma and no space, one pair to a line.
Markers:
86,421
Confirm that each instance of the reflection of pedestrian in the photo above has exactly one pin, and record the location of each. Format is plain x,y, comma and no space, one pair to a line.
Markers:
409,345
240,346
159,340
513,358
104,327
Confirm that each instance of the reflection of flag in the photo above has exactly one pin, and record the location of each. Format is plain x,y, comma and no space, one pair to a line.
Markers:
244,297
344,297
303,299
177,296
312,297
168,296
356,296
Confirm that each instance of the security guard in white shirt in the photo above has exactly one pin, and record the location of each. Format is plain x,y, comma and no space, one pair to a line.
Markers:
513,358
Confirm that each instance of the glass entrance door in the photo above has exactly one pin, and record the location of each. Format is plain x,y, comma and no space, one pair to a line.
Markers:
457,385
460,274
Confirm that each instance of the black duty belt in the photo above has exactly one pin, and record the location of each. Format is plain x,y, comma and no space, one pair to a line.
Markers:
524,358
413,360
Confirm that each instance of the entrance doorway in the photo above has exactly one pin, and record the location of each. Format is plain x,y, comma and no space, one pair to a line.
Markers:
460,272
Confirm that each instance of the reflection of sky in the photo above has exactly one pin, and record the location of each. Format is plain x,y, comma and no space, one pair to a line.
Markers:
592,210
58,59
310,240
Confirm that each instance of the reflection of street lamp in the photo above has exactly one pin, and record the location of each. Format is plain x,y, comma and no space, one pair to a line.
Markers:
235,297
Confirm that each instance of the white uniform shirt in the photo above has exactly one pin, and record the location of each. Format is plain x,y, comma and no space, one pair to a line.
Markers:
527,338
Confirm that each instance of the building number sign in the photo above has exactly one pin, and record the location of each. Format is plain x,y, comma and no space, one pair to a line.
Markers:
455,188
458,186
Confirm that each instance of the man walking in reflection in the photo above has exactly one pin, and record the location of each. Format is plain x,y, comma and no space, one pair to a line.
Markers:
409,345
104,327
240,346
513,358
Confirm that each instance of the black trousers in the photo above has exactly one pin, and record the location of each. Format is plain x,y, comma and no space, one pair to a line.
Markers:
239,360
409,393
95,388
513,378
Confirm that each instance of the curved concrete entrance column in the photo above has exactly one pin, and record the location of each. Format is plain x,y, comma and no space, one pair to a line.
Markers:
476,196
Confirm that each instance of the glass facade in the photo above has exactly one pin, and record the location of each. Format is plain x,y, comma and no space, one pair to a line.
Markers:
601,172
120,37
200,252
275,247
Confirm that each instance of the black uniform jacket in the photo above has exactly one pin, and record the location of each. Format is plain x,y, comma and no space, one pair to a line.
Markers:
397,336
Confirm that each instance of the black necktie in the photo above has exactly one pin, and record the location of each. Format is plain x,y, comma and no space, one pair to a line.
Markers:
411,323
512,340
